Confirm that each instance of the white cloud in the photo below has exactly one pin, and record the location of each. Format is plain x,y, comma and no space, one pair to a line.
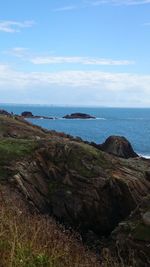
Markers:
75,87
95,3
107,80
79,60
11,26
65,8
20,52
24,54
120,2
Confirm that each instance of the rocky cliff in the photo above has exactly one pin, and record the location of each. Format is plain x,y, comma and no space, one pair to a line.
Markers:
81,186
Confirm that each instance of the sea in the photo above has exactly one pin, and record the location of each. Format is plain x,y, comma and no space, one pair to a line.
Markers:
132,123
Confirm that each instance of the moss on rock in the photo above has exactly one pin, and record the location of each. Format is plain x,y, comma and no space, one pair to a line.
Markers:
11,149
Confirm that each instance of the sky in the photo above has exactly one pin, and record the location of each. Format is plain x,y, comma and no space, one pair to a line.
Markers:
75,52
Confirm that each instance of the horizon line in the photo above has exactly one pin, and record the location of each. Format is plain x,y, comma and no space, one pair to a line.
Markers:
73,106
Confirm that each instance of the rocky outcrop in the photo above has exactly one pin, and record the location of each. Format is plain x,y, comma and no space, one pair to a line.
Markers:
79,116
132,236
27,114
118,146
81,186
4,112
15,127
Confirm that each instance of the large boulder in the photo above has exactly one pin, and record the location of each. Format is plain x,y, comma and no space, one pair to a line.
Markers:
118,146
79,116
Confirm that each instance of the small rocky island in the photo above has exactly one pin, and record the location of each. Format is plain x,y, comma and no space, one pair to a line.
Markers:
29,115
79,116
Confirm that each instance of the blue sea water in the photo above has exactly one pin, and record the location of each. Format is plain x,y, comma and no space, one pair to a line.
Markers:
134,124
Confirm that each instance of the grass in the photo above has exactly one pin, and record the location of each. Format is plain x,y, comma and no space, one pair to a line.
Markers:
32,240
11,149
10,125
36,241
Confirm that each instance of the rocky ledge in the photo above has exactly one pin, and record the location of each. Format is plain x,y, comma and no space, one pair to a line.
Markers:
79,116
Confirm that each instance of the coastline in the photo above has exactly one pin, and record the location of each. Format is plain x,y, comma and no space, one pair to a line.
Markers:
108,122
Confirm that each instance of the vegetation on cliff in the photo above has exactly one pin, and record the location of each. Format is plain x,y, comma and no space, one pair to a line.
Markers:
32,240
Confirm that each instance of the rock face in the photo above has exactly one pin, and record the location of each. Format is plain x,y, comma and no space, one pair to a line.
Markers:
75,191
79,116
27,114
118,146
133,235
80,185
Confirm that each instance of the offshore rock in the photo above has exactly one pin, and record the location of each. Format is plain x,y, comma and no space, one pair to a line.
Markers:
79,116
27,114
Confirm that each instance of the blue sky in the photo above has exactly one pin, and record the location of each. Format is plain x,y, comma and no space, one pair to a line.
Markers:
75,52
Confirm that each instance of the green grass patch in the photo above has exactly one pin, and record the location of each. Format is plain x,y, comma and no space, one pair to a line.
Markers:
25,257
11,149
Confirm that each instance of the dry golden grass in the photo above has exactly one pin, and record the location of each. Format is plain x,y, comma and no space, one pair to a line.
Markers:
31,240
